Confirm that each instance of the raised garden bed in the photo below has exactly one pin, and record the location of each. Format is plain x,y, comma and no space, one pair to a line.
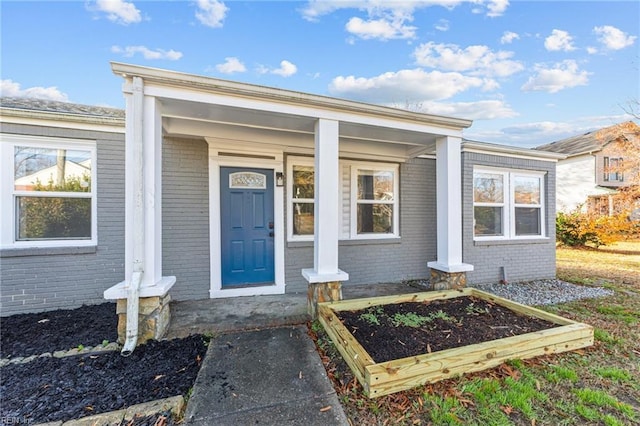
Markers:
466,324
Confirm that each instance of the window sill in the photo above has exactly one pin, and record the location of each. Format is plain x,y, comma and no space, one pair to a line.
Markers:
520,241
47,251
354,242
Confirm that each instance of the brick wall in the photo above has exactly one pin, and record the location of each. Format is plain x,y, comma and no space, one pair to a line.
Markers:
185,217
39,280
524,259
377,261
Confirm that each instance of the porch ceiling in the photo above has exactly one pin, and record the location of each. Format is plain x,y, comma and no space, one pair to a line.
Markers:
196,119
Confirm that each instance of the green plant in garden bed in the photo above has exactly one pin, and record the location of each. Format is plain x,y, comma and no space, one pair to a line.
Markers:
410,319
372,315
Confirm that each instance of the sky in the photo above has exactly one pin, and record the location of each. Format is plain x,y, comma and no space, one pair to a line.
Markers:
526,72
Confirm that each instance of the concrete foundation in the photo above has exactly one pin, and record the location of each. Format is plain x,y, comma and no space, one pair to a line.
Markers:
322,292
441,280
153,318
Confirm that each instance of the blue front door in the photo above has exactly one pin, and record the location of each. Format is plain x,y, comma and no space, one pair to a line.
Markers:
247,232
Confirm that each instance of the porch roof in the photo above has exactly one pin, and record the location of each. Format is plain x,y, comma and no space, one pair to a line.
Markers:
193,105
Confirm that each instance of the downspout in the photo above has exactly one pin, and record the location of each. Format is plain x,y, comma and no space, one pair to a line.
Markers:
133,290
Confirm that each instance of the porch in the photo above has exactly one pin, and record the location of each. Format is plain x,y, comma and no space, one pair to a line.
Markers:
254,312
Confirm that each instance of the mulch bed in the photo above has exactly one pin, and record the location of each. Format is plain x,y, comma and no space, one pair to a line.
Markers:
34,334
50,389
433,326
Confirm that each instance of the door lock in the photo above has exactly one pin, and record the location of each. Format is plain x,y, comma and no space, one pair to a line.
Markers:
271,234
270,225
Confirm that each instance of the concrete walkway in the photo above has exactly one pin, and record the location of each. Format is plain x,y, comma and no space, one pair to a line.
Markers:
261,366
268,377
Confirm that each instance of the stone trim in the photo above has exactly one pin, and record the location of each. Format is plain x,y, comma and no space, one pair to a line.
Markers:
441,280
322,292
153,318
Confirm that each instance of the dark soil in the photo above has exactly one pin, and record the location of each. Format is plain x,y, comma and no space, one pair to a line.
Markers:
436,326
50,389
34,334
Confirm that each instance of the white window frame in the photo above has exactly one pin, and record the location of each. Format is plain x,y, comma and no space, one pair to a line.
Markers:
613,176
353,166
509,205
8,193
291,162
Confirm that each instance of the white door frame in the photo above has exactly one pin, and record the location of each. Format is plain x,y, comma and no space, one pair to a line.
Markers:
264,158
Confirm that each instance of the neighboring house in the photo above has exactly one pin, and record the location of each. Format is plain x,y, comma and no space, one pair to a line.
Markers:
233,189
598,164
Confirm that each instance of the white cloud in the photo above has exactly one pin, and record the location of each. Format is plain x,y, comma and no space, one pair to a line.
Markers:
119,11
393,13
314,9
287,69
559,40
442,25
10,88
478,60
230,66
508,37
481,110
497,7
563,75
613,38
540,132
211,12
147,53
403,85
537,128
592,50
382,29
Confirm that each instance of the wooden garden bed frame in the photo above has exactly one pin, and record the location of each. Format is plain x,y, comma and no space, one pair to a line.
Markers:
384,378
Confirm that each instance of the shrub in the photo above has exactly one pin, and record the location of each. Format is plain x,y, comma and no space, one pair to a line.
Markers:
582,229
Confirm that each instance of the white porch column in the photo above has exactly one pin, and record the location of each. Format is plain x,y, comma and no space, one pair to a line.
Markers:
143,235
325,279
327,206
449,206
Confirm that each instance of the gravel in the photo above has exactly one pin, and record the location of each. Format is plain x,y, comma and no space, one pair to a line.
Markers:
543,292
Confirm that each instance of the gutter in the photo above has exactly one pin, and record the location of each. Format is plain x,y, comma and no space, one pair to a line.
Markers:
133,290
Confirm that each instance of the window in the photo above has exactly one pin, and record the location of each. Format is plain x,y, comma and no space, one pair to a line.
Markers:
303,199
613,170
488,199
374,201
368,201
48,192
507,204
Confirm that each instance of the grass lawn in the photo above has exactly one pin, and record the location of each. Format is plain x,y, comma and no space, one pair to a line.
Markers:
595,386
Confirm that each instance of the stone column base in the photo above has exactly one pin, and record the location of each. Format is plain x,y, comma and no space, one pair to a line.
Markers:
322,292
153,318
441,280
